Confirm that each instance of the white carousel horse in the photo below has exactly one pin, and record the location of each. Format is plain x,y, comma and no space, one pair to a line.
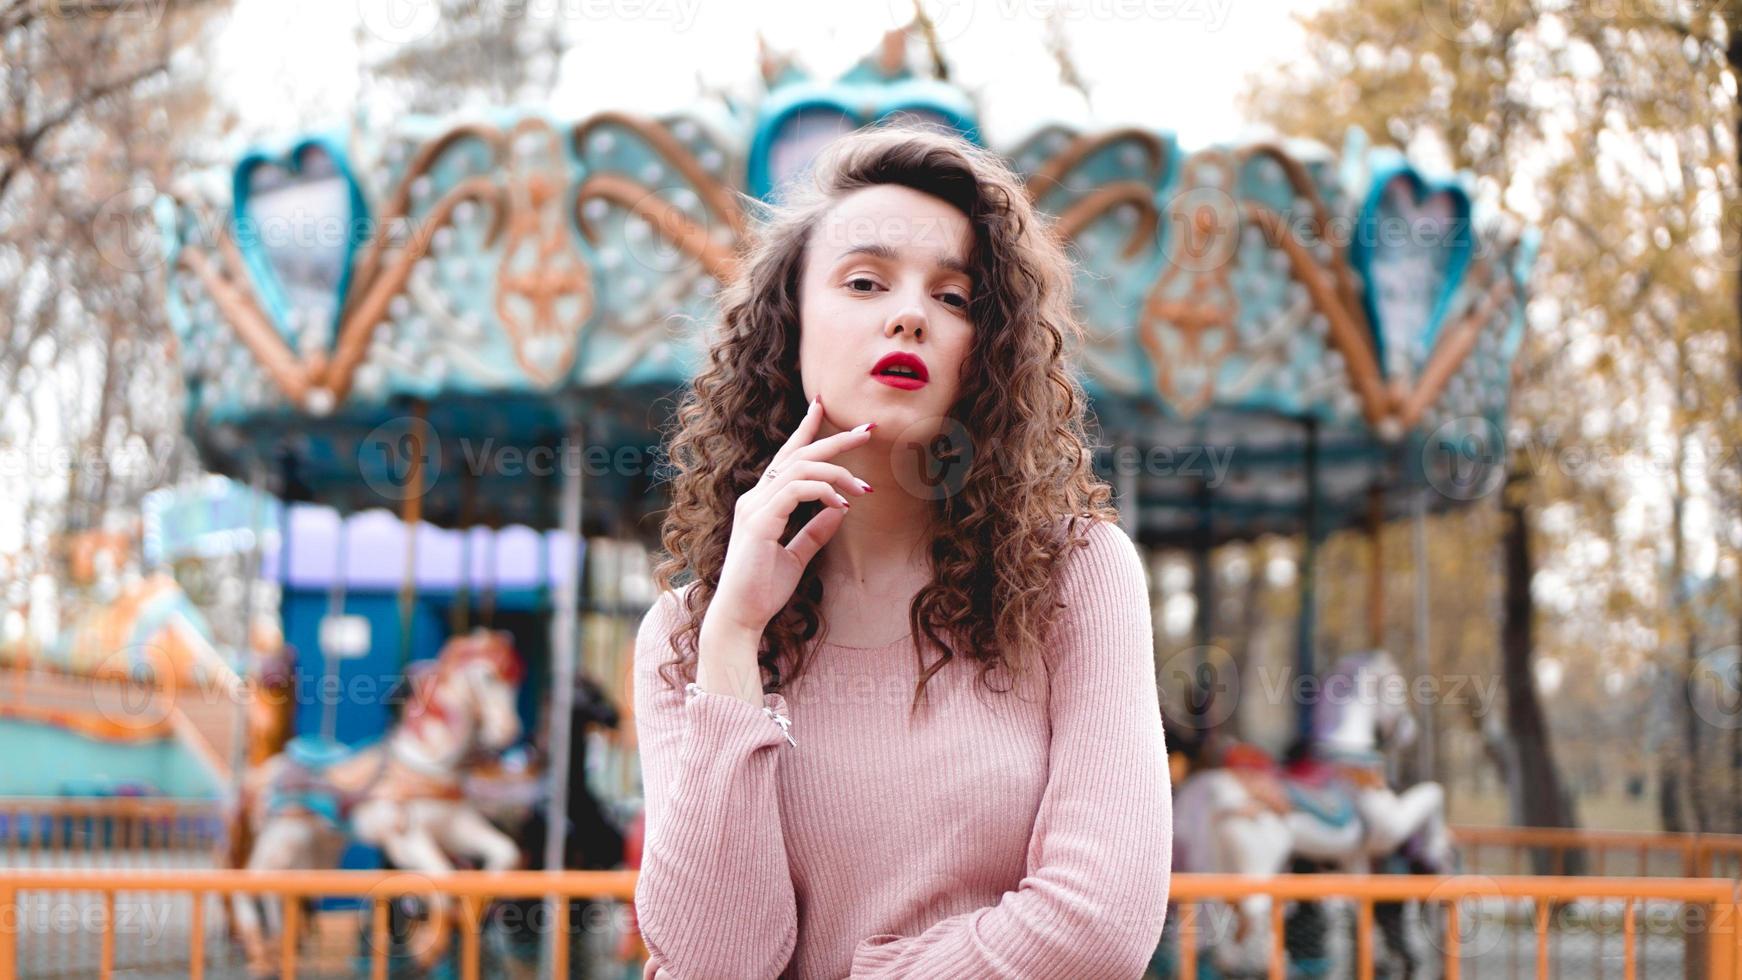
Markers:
1252,822
403,794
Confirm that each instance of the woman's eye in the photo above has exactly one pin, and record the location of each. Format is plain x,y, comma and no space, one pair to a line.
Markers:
859,279
956,300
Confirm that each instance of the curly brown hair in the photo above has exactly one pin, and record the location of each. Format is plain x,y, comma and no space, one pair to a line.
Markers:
995,541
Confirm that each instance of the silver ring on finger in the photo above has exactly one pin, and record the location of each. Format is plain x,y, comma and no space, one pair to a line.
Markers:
771,471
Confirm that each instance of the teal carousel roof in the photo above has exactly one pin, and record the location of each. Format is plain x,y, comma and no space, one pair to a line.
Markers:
1272,329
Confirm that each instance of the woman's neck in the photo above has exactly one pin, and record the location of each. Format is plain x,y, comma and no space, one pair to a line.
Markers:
880,556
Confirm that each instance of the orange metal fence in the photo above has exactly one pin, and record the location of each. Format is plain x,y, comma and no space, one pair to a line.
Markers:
1556,851
131,934
1476,912
1710,940
115,914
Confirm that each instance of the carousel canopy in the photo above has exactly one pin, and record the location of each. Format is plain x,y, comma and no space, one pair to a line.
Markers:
1275,332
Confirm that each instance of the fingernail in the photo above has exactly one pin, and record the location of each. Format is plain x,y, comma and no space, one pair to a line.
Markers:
866,487
867,427
843,501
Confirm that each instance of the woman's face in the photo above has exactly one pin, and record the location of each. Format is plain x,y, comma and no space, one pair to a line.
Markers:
886,273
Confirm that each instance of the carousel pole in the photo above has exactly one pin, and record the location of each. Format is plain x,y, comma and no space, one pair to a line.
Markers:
1376,567
1202,690
1306,625
329,659
250,579
411,515
460,608
487,590
564,629
1418,535
1130,510
283,528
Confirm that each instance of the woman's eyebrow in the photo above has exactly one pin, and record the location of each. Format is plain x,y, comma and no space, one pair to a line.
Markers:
886,253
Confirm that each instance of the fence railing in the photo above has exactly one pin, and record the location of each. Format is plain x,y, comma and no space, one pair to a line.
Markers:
1558,851
1476,911
128,935
108,832
1481,925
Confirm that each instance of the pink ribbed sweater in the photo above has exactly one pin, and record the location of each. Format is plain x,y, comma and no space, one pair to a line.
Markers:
1026,834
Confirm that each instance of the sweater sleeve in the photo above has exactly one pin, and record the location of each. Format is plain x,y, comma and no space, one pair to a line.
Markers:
714,897
1093,898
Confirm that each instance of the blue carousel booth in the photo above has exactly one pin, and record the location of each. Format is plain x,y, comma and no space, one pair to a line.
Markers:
423,317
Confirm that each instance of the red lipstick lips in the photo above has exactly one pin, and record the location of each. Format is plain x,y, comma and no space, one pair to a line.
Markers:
901,370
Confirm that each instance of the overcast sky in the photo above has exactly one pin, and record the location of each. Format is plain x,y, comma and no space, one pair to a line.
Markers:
1174,64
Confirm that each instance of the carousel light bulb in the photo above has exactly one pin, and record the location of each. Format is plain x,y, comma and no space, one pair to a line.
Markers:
369,380
319,402
452,267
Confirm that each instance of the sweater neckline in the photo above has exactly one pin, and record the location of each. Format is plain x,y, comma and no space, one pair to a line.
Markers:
883,646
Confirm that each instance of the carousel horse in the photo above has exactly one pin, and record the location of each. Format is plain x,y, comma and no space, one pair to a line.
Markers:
1331,805
403,794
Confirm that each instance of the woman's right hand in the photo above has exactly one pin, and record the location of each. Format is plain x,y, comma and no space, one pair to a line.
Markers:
759,574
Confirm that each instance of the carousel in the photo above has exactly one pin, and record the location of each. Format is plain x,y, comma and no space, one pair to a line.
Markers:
480,325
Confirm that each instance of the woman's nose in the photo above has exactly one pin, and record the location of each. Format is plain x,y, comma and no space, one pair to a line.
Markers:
910,319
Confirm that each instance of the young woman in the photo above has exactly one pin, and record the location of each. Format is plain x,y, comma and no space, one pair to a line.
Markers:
888,434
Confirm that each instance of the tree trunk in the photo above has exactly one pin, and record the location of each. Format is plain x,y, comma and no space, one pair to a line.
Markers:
1537,780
